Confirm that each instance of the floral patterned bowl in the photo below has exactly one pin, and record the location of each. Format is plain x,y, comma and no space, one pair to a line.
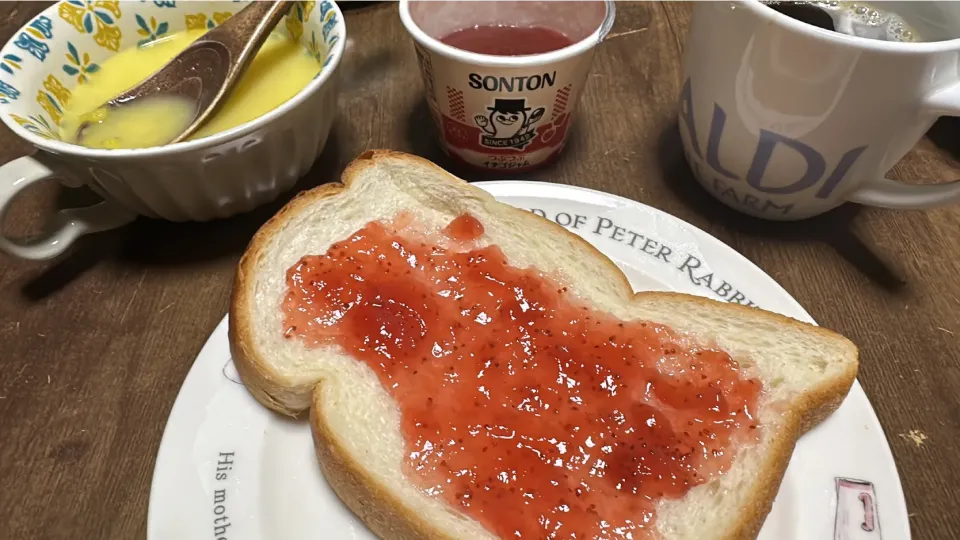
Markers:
212,177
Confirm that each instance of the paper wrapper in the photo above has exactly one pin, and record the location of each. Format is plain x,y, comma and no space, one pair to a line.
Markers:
502,118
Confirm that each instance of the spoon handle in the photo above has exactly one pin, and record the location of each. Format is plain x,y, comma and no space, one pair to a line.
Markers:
235,42
241,36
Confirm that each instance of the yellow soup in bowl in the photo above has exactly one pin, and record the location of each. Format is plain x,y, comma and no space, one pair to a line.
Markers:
278,72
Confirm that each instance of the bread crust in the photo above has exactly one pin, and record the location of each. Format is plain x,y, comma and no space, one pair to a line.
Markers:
389,517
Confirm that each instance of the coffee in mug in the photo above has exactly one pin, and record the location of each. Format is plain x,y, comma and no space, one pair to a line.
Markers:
905,22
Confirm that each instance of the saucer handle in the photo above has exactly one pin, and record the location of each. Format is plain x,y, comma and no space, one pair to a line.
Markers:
66,225
892,194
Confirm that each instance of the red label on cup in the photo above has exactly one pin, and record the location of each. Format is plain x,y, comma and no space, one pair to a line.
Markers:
495,117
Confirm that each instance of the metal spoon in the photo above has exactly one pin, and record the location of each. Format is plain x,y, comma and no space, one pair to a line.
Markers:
206,71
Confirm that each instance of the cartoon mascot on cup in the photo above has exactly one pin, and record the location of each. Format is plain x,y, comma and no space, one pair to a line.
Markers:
509,123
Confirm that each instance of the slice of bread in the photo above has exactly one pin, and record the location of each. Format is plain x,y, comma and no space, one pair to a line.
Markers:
805,370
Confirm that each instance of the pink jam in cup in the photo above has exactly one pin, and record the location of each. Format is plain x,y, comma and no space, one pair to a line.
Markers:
502,78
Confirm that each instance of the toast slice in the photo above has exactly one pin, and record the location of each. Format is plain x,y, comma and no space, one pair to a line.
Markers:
806,371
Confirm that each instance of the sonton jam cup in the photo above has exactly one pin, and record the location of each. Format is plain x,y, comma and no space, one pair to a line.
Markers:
504,112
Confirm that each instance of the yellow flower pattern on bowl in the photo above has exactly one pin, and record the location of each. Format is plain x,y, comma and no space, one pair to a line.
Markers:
98,18
298,13
200,21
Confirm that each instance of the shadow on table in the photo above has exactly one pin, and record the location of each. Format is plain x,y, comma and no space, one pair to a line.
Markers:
945,135
357,5
833,228
155,242
159,242
424,138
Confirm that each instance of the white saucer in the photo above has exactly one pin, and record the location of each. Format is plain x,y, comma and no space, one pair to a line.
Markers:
229,469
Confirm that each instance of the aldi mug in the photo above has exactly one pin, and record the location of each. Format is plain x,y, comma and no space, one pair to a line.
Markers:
784,120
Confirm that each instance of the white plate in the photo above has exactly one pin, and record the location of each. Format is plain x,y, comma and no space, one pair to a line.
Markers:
228,469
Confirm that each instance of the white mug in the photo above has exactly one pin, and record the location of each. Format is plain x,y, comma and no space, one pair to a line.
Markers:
208,178
784,120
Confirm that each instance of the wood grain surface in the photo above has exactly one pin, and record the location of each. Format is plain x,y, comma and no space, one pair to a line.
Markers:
94,346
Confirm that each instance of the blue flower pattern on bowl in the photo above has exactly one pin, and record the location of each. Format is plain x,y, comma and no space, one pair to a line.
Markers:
79,66
33,39
8,93
79,35
151,31
10,62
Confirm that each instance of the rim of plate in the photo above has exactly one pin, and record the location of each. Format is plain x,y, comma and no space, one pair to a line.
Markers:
601,195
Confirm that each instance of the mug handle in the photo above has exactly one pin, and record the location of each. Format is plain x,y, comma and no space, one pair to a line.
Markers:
892,194
66,226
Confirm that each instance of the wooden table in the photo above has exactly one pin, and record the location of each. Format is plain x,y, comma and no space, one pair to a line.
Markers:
94,347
